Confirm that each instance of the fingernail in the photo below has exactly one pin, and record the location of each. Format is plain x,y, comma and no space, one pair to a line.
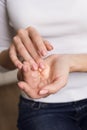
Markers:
44,91
39,69
20,85
43,52
51,47
41,65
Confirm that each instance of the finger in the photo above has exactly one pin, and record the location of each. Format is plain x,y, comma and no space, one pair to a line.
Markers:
48,46
23,52
31,48
25,87
26,71
37,40
53,87
28,90
30,76
13,57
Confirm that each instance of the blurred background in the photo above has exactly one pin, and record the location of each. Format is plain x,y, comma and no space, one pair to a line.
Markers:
9,98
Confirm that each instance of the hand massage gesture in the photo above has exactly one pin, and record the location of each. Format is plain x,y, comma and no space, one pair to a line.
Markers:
38,84
29,45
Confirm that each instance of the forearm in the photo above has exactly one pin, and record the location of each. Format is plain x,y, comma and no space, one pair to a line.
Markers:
78,62
5,60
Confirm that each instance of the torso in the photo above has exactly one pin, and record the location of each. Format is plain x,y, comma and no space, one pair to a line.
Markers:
64,24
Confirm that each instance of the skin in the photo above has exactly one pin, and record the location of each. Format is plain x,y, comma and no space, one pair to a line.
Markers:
30,46
38,84
27,45
57,67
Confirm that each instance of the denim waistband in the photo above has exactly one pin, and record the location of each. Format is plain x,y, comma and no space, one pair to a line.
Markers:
76,104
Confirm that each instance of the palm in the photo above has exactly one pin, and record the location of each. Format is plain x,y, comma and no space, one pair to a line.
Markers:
41,78
54,71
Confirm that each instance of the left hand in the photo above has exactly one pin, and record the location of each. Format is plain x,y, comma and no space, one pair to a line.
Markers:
50,80
30,46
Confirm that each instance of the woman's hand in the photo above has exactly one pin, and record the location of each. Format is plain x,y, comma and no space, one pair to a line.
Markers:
29,45
54,77
32,80
60,67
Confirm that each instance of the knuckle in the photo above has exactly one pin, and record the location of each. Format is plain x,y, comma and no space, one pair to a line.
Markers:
21,32
15,38
30,28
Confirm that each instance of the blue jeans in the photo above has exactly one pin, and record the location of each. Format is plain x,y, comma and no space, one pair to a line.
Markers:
52,116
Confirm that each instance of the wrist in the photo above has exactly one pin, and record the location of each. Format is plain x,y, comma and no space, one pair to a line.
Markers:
71,62
77,62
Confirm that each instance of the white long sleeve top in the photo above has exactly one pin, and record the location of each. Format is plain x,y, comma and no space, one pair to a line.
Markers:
62,22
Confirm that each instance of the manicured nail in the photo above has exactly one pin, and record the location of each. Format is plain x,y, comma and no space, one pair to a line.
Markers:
44,91
41,65
43,52
39,69
20,85
51,47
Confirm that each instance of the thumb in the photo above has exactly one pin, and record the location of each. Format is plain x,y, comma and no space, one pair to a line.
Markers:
25,87
32,93
53,87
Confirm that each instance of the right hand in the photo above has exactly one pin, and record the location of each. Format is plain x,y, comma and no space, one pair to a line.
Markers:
29,45
39,84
